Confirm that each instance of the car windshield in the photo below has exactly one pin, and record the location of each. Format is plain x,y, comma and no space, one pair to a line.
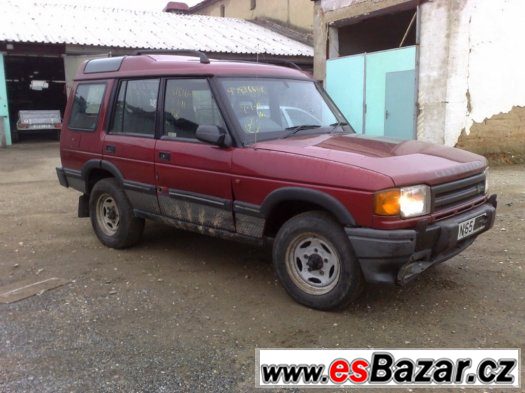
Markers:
270,108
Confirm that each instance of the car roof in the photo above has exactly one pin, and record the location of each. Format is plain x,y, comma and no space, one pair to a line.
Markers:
177,65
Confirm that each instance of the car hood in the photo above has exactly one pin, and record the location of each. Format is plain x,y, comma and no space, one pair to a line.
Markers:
405,162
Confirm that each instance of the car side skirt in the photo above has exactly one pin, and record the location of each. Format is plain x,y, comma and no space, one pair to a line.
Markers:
202,229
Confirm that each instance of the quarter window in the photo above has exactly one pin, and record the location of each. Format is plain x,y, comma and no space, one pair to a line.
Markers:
136,107
86,106
188,104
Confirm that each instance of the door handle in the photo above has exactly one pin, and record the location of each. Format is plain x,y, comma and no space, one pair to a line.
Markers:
110,148
164,156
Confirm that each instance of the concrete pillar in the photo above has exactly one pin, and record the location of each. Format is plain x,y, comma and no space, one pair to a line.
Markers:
433,70
320,42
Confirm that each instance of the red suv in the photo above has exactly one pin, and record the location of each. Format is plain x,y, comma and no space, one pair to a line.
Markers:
258,153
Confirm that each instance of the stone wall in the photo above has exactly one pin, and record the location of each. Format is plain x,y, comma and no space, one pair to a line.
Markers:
501,138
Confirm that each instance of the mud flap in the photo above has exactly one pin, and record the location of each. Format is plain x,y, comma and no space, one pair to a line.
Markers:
83,205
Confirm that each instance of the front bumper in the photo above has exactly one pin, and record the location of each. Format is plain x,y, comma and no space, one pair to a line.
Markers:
396,256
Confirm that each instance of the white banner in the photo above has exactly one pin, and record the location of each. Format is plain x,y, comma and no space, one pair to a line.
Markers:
387,368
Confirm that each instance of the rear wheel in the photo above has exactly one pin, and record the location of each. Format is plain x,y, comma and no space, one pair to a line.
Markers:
112,215
315,262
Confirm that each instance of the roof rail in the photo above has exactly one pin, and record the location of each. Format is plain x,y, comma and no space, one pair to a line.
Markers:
202,56
281,62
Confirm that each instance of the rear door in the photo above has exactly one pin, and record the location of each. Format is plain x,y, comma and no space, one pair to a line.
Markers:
194,178
129,143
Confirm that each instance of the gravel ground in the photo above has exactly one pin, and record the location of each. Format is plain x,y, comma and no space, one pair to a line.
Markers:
182,312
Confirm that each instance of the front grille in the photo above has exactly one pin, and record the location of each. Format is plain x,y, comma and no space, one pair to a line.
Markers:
457,192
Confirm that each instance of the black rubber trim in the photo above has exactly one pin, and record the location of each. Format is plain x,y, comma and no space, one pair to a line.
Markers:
248,209
322,199
71,178
101,164
396,256
378,243
72,173
202,229
83,206
62,179
140,187
111,168
201,199
89,166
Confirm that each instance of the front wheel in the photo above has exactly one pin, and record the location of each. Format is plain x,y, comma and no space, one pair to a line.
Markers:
315,262
112,216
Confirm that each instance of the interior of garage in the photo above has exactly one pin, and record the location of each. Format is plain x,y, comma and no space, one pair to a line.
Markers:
378,33
34,83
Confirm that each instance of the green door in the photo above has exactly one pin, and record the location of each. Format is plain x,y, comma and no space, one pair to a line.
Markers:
400,104
4,110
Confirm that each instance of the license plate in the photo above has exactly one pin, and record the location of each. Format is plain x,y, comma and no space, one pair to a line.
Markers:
469,227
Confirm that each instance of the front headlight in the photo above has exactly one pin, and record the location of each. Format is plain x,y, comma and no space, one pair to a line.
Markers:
414,201
407,202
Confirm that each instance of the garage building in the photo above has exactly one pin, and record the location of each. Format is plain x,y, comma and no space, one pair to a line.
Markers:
42,45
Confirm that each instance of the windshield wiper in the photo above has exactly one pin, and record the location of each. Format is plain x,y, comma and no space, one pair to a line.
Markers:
337,125
294,130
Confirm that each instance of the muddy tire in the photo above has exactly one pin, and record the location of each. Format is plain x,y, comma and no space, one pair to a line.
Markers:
315,262
112,216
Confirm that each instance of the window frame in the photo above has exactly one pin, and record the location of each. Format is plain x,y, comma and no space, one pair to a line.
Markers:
114,100
94,129
161,130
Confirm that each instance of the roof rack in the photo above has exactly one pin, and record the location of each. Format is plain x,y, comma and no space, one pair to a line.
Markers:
202,56
281,62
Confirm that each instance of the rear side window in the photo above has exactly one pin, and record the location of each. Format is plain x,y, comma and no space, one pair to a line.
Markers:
136,107
86,106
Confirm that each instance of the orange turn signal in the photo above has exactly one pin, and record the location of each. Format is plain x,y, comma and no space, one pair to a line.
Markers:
386,203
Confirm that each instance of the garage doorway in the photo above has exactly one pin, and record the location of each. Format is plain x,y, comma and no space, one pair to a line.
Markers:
34,83
372,75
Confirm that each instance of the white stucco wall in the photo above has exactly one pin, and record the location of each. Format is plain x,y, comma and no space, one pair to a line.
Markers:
472,64
330,5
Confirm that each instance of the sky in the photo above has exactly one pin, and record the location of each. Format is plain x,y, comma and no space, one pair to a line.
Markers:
150,5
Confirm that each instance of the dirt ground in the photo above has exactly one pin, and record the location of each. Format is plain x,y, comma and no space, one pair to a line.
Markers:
182,312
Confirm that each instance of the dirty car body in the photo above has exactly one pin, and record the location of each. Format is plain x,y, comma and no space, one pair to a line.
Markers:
204,146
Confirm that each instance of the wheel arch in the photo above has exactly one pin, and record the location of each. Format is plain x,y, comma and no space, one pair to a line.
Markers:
95,170
284,203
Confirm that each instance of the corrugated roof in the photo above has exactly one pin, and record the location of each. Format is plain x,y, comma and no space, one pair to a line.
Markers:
22,21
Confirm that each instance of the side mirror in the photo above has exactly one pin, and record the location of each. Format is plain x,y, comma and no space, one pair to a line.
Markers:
214,135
